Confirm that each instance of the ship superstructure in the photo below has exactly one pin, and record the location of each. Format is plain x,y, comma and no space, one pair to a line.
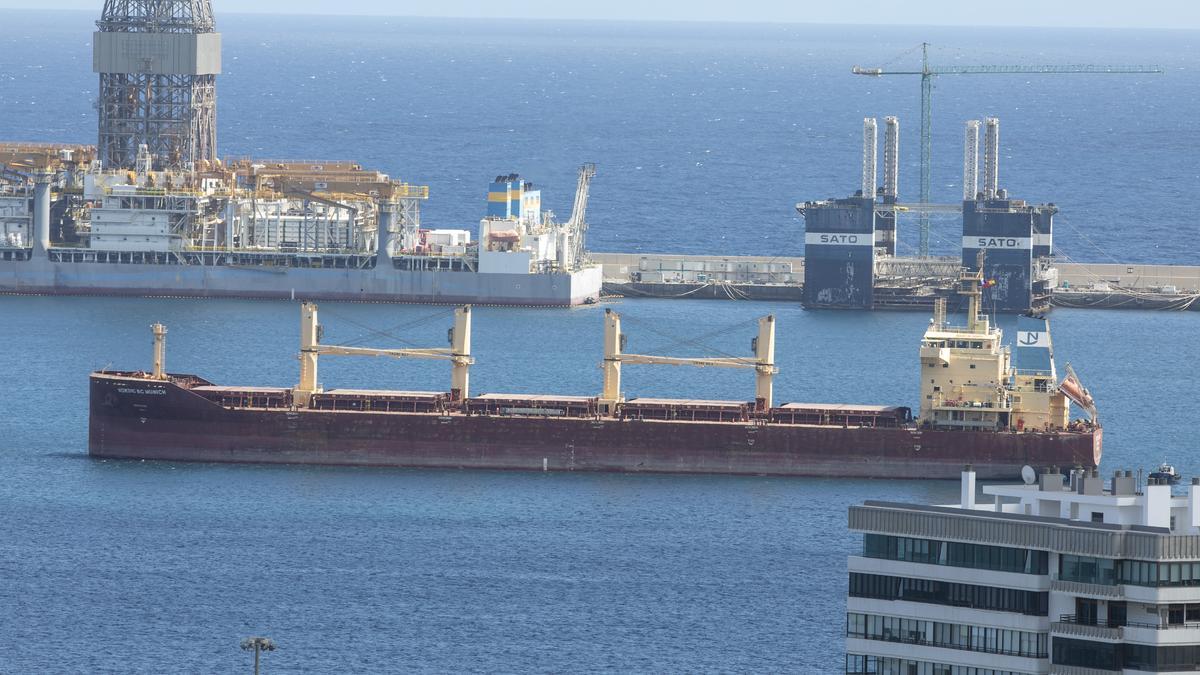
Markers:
971,380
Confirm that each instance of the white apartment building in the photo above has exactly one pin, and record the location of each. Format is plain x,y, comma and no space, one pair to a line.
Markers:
1070,577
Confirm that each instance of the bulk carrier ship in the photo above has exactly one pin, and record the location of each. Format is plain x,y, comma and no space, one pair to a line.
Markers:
981,404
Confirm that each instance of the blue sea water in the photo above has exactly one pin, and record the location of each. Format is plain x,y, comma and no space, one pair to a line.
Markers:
705,135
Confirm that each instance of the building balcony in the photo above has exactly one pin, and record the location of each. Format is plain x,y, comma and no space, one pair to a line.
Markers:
1068,625
1161,595
1085,589
1149,633
949,656
1078,670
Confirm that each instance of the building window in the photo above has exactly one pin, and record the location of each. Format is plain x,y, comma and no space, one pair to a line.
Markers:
882,587
858,664
1087,654
1105,656
947,635
1087,570
1097,517
1087,610
956,554
1141,573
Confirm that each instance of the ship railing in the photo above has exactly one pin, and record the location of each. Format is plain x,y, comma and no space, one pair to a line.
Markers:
406,191
965,329
310,164
431,256
959,404
113,191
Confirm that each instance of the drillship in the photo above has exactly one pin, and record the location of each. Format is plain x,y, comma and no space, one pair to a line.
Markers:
978,408
276,229
151,210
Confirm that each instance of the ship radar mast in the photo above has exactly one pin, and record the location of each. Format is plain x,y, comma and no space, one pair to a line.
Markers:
971,286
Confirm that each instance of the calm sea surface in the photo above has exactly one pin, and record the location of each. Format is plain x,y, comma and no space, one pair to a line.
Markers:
705,135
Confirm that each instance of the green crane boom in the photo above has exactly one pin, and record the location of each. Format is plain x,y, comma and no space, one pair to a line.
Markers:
927,74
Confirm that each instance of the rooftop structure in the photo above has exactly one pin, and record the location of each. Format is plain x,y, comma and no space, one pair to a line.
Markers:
1075,578
158,62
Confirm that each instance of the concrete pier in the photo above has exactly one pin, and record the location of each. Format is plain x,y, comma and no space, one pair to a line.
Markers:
1099,285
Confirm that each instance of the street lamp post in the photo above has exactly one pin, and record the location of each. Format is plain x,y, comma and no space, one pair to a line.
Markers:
258,644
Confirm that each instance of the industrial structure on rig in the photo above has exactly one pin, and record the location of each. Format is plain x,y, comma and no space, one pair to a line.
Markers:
151,210
158,64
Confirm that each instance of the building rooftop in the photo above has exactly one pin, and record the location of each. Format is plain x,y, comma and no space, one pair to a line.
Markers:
1079,516
1085,498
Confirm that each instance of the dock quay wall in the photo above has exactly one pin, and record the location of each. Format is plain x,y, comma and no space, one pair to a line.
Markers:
781,277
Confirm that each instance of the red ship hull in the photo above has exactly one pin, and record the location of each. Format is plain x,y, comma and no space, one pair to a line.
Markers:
133,417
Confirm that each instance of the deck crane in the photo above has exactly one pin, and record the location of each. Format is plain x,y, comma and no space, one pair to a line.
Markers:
576,227
928,72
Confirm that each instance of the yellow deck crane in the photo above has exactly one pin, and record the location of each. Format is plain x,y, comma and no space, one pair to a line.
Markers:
311,347
763,363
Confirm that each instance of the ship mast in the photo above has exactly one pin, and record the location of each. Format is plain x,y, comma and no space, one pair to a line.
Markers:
160,351
972,287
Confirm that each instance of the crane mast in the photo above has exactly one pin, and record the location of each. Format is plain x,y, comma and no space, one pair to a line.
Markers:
576,227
